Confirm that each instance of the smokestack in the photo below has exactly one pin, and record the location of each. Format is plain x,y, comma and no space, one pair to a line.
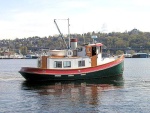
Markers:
73,43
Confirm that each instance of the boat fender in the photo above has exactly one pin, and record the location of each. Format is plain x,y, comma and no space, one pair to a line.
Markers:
69,53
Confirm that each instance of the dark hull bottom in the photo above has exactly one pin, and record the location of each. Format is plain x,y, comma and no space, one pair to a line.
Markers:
113,71
102,82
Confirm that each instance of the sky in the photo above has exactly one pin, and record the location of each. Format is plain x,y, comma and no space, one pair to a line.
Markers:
28,18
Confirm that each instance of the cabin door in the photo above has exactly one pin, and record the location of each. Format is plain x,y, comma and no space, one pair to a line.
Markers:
94,57
44,62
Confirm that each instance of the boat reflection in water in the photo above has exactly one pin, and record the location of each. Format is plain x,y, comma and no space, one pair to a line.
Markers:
71,96
72,87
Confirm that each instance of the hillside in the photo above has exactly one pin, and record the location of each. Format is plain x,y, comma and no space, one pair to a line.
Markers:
134,39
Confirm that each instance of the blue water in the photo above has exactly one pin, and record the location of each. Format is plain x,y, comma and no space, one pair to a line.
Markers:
129,93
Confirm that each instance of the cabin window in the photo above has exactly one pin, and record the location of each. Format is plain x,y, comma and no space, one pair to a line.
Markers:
81,63
58,64
67,64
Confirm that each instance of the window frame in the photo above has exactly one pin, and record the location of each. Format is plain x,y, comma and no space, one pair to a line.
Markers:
81,63
57,63
66,64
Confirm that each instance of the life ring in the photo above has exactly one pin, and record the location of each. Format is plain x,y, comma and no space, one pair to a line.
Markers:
69,53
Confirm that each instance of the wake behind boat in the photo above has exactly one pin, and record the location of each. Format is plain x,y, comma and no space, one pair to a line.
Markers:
74,63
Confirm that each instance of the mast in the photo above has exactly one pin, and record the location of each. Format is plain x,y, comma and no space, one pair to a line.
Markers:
68,33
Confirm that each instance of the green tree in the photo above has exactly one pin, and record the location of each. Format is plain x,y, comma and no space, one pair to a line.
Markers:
23,50
119,52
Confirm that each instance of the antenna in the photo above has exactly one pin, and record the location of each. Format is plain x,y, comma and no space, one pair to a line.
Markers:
104,28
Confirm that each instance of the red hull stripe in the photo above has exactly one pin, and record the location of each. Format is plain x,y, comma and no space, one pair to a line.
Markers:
71,71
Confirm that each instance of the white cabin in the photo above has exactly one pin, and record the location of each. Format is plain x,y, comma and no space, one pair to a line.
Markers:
88,55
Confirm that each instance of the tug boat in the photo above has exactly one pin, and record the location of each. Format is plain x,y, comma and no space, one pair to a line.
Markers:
74,63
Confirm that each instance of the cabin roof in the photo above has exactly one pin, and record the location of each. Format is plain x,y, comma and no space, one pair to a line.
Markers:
96,44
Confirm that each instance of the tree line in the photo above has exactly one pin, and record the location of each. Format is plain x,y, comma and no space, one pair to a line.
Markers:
115,40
